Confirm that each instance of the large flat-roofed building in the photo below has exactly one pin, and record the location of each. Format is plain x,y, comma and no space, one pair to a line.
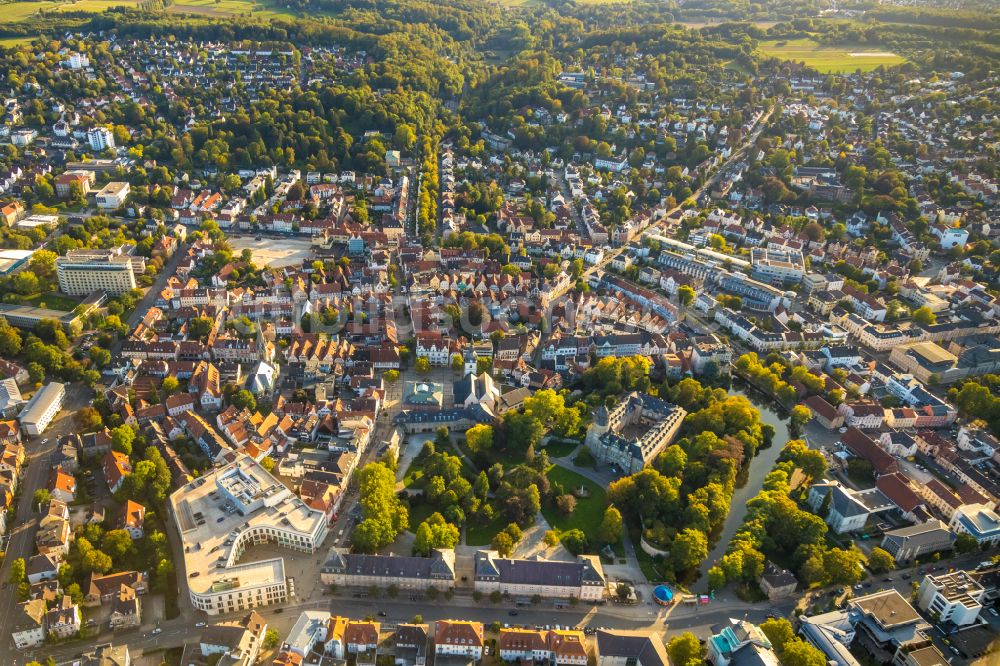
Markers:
42,408
112,196
346,568
228,510
926,359
11,260
634,431
953,597
84,271
583,579
884,623
777,266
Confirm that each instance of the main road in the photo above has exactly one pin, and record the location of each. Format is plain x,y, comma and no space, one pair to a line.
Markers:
702,620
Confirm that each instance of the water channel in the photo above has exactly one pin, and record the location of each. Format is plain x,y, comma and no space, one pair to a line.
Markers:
753,477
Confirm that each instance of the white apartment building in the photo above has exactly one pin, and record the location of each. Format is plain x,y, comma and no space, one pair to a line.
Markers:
953,597
100,138
777,266
222,514
113,196
42,408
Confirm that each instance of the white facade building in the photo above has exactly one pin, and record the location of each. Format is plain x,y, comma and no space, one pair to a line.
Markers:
100,138
953,597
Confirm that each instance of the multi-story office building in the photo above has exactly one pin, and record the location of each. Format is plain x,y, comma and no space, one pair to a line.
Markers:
953,597
225,512
114,270
112,196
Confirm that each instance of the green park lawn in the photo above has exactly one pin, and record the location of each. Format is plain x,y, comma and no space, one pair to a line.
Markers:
560,449
52,301
841,59
589,510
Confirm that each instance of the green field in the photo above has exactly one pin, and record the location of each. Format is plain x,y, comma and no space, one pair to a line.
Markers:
11,42
841,59
18,12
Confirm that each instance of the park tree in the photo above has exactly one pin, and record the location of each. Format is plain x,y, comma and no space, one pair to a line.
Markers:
422,365
435,532
566,503
688,549
383,515
612,527
503,544
479,438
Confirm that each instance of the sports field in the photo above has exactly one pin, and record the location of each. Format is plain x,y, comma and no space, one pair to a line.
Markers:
840,59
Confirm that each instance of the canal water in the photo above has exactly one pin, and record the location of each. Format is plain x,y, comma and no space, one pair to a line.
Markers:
752,479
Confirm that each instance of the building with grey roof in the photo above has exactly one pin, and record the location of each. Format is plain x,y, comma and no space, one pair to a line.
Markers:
476,390
908,543
583,579
412,573
634,431
107,655
630,648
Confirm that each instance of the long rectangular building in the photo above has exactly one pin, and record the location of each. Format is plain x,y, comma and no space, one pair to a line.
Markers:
42,408
583,579
412,573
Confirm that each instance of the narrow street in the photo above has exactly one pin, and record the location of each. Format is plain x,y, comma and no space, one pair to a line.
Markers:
22,535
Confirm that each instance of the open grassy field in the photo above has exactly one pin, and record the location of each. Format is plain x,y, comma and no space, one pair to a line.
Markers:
830,59
11,42
18,12
224,8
